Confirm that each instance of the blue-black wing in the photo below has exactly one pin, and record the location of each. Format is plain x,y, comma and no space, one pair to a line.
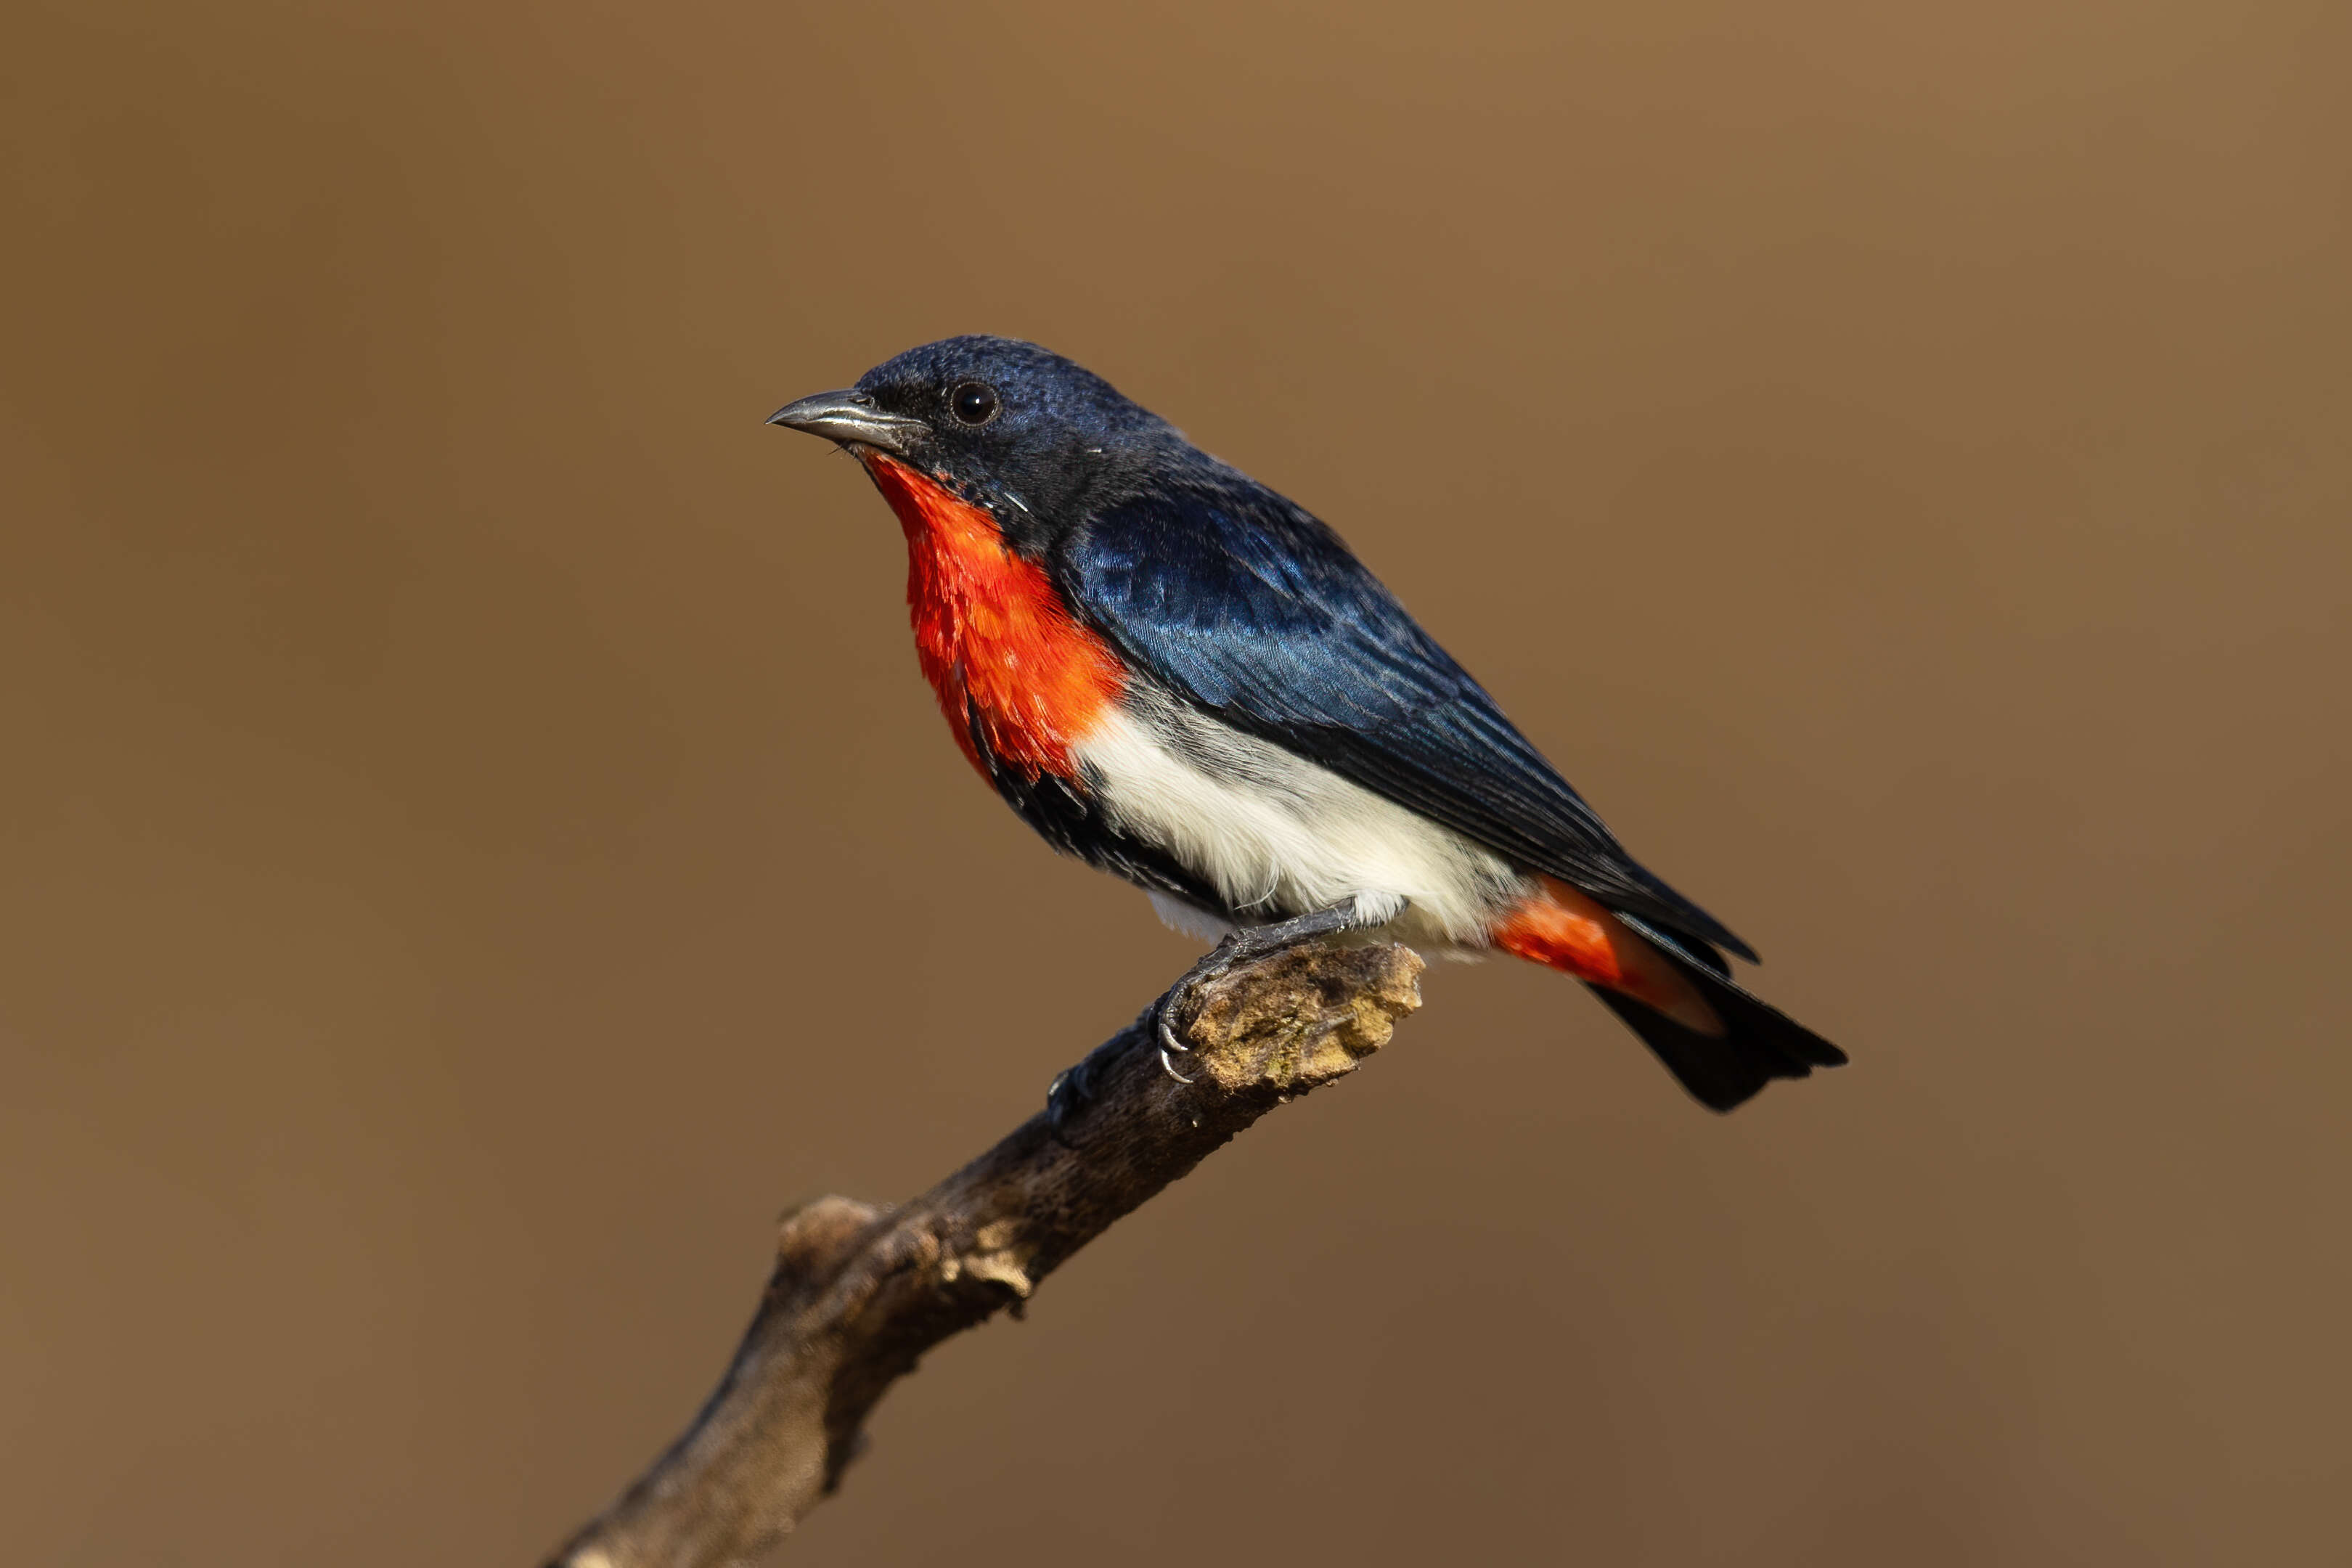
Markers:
1253,609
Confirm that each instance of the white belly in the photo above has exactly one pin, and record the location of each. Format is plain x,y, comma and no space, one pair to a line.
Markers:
1278,836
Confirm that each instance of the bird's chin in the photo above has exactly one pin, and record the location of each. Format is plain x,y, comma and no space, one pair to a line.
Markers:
872,457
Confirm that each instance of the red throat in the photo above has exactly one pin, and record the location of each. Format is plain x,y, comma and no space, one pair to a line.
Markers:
1006,659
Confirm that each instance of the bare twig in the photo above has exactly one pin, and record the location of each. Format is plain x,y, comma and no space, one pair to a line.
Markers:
860,1293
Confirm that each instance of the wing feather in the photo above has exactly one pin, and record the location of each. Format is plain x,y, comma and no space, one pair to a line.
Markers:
1250,606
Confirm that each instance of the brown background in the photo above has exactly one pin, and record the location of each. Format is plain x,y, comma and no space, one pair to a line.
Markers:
474,844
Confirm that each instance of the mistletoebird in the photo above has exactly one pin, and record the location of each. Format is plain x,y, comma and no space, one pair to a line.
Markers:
1183,677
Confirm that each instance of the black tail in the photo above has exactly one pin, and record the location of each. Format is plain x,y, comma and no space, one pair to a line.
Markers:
1759,1043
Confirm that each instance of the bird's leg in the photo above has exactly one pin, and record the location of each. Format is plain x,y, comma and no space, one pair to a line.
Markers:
1241,947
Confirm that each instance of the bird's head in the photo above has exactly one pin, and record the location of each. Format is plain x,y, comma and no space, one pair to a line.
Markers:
1005,424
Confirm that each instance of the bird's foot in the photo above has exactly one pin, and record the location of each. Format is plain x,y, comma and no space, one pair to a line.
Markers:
1073,1088
1073,1091
1243,946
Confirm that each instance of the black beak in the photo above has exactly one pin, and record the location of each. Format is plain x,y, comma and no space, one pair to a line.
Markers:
852,420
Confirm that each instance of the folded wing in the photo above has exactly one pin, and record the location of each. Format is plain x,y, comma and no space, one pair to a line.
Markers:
1253,609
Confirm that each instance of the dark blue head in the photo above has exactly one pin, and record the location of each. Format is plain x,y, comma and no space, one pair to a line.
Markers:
1003,423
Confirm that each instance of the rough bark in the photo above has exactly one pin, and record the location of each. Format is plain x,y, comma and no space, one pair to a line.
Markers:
859,1293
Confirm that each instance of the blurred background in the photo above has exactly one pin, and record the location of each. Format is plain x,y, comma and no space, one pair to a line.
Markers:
474,846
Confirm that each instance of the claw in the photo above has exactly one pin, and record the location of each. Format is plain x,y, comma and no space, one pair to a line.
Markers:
1067,1087
1074,1088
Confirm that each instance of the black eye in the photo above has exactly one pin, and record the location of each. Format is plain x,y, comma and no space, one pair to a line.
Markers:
973,402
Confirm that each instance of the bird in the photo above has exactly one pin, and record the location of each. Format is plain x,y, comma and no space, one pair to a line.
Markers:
1180,676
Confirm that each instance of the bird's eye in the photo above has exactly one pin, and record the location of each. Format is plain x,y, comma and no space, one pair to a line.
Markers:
973,402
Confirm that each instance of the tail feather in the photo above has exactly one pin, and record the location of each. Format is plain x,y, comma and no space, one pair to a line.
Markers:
1759,1042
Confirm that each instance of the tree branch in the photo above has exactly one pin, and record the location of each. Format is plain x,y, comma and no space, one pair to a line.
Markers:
860,1293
